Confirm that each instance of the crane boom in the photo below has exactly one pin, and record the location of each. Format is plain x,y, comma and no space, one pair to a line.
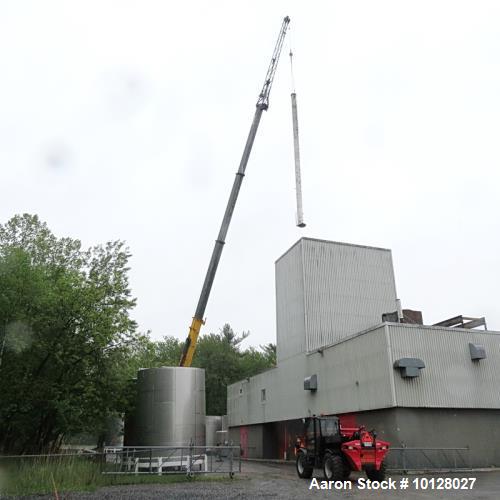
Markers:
262,105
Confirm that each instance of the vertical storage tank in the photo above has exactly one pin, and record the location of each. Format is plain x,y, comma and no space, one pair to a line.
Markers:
170,406
212,425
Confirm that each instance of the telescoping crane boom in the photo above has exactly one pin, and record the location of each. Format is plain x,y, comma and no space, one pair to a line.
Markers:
262,105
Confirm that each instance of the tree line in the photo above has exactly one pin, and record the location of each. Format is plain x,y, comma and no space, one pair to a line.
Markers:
69,347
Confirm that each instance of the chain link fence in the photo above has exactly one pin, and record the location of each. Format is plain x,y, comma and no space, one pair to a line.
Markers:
418,459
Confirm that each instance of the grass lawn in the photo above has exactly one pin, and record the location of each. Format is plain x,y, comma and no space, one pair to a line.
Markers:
72,473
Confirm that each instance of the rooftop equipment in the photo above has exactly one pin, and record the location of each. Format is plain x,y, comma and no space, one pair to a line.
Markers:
462,322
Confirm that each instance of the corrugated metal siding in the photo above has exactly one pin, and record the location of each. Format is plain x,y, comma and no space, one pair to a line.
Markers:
290,313
237,404
347,288
450,378
244,398
363,359
353,375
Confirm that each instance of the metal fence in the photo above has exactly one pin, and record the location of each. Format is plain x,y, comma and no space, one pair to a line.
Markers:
404,459
161,460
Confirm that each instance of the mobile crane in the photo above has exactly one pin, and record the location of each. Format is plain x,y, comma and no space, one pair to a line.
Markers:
262,105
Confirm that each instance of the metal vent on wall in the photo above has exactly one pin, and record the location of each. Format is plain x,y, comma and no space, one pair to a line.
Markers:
477,351
311,383
409,367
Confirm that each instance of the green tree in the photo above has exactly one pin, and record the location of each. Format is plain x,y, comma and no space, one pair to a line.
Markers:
220,354
64,321
143,353
225,362
269,351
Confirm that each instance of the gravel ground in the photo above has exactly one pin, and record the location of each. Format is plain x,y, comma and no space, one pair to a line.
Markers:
264,480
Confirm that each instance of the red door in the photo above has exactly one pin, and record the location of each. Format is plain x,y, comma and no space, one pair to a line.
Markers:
244,441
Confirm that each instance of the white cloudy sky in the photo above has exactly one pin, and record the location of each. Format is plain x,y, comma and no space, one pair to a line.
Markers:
126,120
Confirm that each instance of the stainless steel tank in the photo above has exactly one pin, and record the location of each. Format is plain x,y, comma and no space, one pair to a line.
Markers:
212,425
170,406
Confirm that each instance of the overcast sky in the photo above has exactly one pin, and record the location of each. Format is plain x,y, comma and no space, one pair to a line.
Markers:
126,120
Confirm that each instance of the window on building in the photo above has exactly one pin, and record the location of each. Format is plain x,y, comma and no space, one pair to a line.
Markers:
262,394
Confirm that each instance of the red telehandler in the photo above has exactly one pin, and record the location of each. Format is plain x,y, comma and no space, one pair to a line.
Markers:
339,450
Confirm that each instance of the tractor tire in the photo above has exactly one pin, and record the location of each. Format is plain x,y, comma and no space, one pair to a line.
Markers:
374,474
347,470
333,467
304,469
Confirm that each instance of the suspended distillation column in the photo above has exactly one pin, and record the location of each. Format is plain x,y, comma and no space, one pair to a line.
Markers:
296,150
170,407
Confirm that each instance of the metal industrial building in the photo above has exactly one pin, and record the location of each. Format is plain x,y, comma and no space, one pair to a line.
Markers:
419,386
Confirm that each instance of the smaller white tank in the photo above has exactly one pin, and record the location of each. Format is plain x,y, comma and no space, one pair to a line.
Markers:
212,425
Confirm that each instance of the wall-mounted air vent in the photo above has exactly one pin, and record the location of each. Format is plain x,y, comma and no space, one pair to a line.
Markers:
311,383
477,351
409,367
